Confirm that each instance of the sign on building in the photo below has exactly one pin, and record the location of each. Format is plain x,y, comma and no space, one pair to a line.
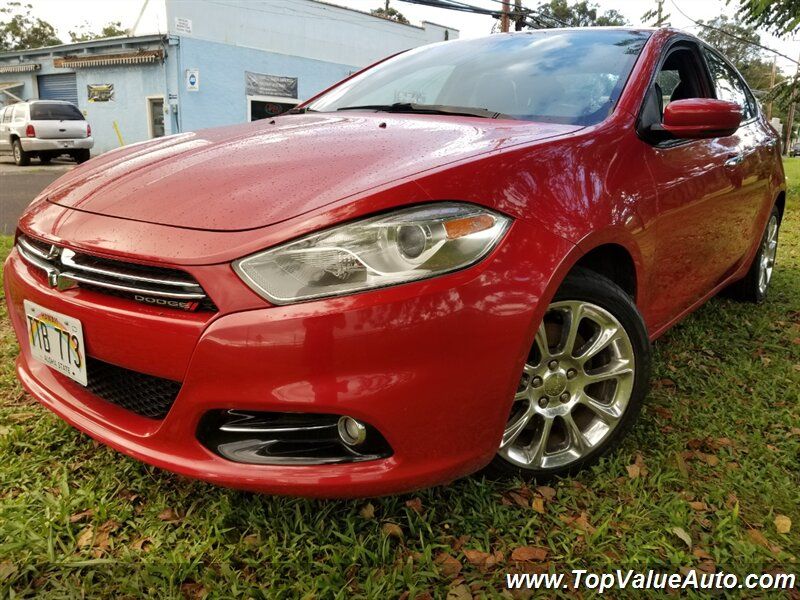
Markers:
260,84
100,92
183,25
192,80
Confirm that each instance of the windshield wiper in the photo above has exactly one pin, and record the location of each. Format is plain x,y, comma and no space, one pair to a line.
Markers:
299,111
430,109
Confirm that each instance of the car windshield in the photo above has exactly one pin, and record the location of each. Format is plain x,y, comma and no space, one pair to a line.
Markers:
55,111
556,76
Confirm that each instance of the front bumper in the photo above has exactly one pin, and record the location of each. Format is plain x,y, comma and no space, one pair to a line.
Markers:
432,365
56,145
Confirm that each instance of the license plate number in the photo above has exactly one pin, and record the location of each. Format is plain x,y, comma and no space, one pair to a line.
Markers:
56,340
67,144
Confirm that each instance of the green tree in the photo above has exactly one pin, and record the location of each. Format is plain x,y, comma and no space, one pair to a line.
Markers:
84,34
387,12
20,30
578,14
739,43
781,17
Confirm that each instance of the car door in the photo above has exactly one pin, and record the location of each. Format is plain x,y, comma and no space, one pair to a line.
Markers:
696,187
749,166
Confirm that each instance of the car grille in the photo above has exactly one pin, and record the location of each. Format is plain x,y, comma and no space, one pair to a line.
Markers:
142,394
157,286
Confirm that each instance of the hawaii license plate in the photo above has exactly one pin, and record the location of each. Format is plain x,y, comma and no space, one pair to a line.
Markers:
56,340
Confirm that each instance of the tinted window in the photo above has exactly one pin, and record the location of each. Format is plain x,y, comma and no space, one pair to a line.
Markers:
547,75
729,86
55,111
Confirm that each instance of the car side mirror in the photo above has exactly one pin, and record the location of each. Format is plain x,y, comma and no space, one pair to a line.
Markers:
699,118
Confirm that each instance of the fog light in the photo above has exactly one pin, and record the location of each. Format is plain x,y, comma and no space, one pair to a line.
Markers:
351,432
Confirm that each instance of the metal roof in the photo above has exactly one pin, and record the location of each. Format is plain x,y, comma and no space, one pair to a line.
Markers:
89,45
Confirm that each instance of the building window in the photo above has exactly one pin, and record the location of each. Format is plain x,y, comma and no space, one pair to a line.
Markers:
264,107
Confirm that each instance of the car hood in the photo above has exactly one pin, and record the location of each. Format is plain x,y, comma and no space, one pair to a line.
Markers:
258,174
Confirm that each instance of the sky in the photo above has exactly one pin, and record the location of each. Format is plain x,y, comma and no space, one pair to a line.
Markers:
69,14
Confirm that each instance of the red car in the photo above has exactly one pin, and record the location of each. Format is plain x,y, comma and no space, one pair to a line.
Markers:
454,259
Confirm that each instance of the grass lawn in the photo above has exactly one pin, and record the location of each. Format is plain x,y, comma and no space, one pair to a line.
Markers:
714,461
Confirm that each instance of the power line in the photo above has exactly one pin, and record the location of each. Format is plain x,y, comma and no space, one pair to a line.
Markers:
531,16
735,37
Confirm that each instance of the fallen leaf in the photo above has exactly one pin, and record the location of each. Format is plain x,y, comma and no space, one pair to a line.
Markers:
449,565
367,511
7,569
758,538
85,537
392,530
459,592
423,596
538,505
681,533
495,559
102,536
581,523
701,554
476,557
546,492
191,590
459,542
142,544
169,516
415,504
783,524
711,460
529,554
519,499
633,471
698,505
77,517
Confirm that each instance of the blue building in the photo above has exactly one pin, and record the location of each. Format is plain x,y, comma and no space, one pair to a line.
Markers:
220,63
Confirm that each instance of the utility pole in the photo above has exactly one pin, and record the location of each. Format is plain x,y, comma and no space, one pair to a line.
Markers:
387,6
790,115
771,85
519,17
504,18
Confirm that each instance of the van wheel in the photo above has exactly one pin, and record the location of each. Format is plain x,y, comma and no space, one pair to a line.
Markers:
583,383
21,158
753,287
81,156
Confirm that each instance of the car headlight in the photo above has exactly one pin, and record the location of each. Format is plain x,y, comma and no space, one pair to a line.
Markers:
397,247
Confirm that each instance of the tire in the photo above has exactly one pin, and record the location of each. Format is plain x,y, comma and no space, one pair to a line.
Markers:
81,156
21,158
45,159
610,337
751,288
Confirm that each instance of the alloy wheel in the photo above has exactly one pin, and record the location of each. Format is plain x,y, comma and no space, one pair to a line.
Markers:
574,389
769,248
17,155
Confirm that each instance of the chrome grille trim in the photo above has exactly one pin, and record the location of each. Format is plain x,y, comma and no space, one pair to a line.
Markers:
68,260
63,270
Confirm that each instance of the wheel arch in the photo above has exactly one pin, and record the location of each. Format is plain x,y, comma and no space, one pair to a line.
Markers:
780,202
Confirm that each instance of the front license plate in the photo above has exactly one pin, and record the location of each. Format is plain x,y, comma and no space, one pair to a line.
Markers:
67,144
56,340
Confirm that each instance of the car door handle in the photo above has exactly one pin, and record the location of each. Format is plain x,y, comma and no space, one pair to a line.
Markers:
734,161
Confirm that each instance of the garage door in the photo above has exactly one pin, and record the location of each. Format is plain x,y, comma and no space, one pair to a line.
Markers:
62,86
